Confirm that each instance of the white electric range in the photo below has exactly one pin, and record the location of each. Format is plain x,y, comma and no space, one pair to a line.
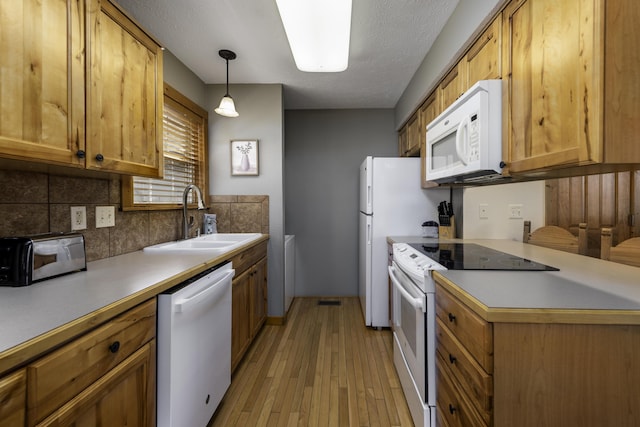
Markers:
413,306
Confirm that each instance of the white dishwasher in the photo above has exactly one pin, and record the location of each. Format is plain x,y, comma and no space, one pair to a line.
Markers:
194,348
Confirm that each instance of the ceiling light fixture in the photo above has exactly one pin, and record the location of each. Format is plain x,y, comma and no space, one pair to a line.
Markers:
227,108
318,32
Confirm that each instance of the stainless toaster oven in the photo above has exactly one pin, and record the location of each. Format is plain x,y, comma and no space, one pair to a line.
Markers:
25,260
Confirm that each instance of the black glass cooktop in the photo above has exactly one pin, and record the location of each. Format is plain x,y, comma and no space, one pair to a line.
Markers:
469,256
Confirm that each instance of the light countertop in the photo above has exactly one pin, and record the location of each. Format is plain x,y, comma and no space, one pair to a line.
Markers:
52,311
584,290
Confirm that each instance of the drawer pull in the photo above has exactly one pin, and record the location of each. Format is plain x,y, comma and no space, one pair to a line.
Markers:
452,359
452,409
452,318
114,347
99,157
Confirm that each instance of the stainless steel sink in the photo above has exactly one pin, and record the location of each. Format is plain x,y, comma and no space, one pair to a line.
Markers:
210,243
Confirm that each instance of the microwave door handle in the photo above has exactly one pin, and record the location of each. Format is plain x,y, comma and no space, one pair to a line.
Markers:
417,303
460,142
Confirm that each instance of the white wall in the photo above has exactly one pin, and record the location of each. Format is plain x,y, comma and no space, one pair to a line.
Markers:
498,225
261,118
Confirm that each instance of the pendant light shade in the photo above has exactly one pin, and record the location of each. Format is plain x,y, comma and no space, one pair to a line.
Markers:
227,107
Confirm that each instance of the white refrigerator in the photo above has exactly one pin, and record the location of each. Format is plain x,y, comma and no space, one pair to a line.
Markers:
392,203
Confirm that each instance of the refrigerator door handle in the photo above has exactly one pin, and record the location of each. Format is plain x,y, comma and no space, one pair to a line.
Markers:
368,233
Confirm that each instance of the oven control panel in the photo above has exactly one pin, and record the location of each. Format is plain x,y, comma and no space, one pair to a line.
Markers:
414,264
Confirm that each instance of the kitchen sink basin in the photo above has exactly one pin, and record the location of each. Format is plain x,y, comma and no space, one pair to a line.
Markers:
210,243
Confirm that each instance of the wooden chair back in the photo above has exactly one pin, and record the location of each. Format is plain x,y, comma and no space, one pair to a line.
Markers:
627,252
554,237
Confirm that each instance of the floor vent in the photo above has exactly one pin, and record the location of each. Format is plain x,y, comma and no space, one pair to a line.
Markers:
329,302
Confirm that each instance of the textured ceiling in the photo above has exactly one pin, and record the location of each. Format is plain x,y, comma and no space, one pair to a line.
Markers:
389,39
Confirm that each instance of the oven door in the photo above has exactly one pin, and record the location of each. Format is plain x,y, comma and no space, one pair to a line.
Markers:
409,308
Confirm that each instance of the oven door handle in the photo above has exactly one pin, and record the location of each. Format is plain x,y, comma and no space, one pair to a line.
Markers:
416,302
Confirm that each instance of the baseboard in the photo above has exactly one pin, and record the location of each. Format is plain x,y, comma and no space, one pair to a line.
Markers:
276,320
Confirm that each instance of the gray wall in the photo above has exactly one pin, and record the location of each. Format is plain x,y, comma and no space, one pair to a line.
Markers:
465,21
185,81
323,152
261,118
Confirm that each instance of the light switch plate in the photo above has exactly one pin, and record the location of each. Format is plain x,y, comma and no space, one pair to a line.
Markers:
105,216
515,211
78,218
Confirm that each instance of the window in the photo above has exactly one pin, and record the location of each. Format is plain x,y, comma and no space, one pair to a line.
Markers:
184,144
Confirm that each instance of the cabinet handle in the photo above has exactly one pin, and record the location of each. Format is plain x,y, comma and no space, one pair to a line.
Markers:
452,359
114,347
452,409
452,318
502,164
99,157
81,154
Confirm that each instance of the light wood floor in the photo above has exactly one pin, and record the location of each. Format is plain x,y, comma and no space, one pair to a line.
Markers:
323,368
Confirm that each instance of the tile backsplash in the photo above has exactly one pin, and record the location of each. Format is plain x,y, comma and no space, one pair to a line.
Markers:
35,202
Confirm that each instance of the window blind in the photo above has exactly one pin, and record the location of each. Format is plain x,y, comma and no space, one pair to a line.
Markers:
183,139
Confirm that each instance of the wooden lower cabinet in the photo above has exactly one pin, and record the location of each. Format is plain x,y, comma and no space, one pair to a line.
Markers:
464,364
125,396
258,291
533,374
248,299
240,318
105,377
13,393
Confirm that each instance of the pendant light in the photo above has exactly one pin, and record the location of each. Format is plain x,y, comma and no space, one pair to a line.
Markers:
227,108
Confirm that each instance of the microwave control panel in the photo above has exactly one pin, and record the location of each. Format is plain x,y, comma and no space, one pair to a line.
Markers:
473,155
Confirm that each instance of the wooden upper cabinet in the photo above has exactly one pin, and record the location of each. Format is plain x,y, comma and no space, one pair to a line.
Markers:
483,60
572,84
453,85
60,56
402,140
428,111
413,136
42,84
124,94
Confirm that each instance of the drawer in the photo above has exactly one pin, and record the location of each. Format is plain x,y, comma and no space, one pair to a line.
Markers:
471,330
472,379
452,408
13,392
247,258
62,374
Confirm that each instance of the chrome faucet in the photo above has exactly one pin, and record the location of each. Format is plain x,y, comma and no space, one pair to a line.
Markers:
187,224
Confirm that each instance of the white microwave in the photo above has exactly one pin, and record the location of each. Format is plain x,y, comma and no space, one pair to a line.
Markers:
464,143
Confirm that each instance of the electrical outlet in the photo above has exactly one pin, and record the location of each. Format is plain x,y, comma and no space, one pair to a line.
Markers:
105,216
483,211
78,218
515,211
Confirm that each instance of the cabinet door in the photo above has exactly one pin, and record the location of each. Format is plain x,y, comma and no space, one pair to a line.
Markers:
553,94
484,57
124,396
453,85
258,296
240,317
42,80
57,377
13,394
402,140
124,94
429,110
413,136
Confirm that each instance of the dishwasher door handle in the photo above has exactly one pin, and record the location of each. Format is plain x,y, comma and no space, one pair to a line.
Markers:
213,291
